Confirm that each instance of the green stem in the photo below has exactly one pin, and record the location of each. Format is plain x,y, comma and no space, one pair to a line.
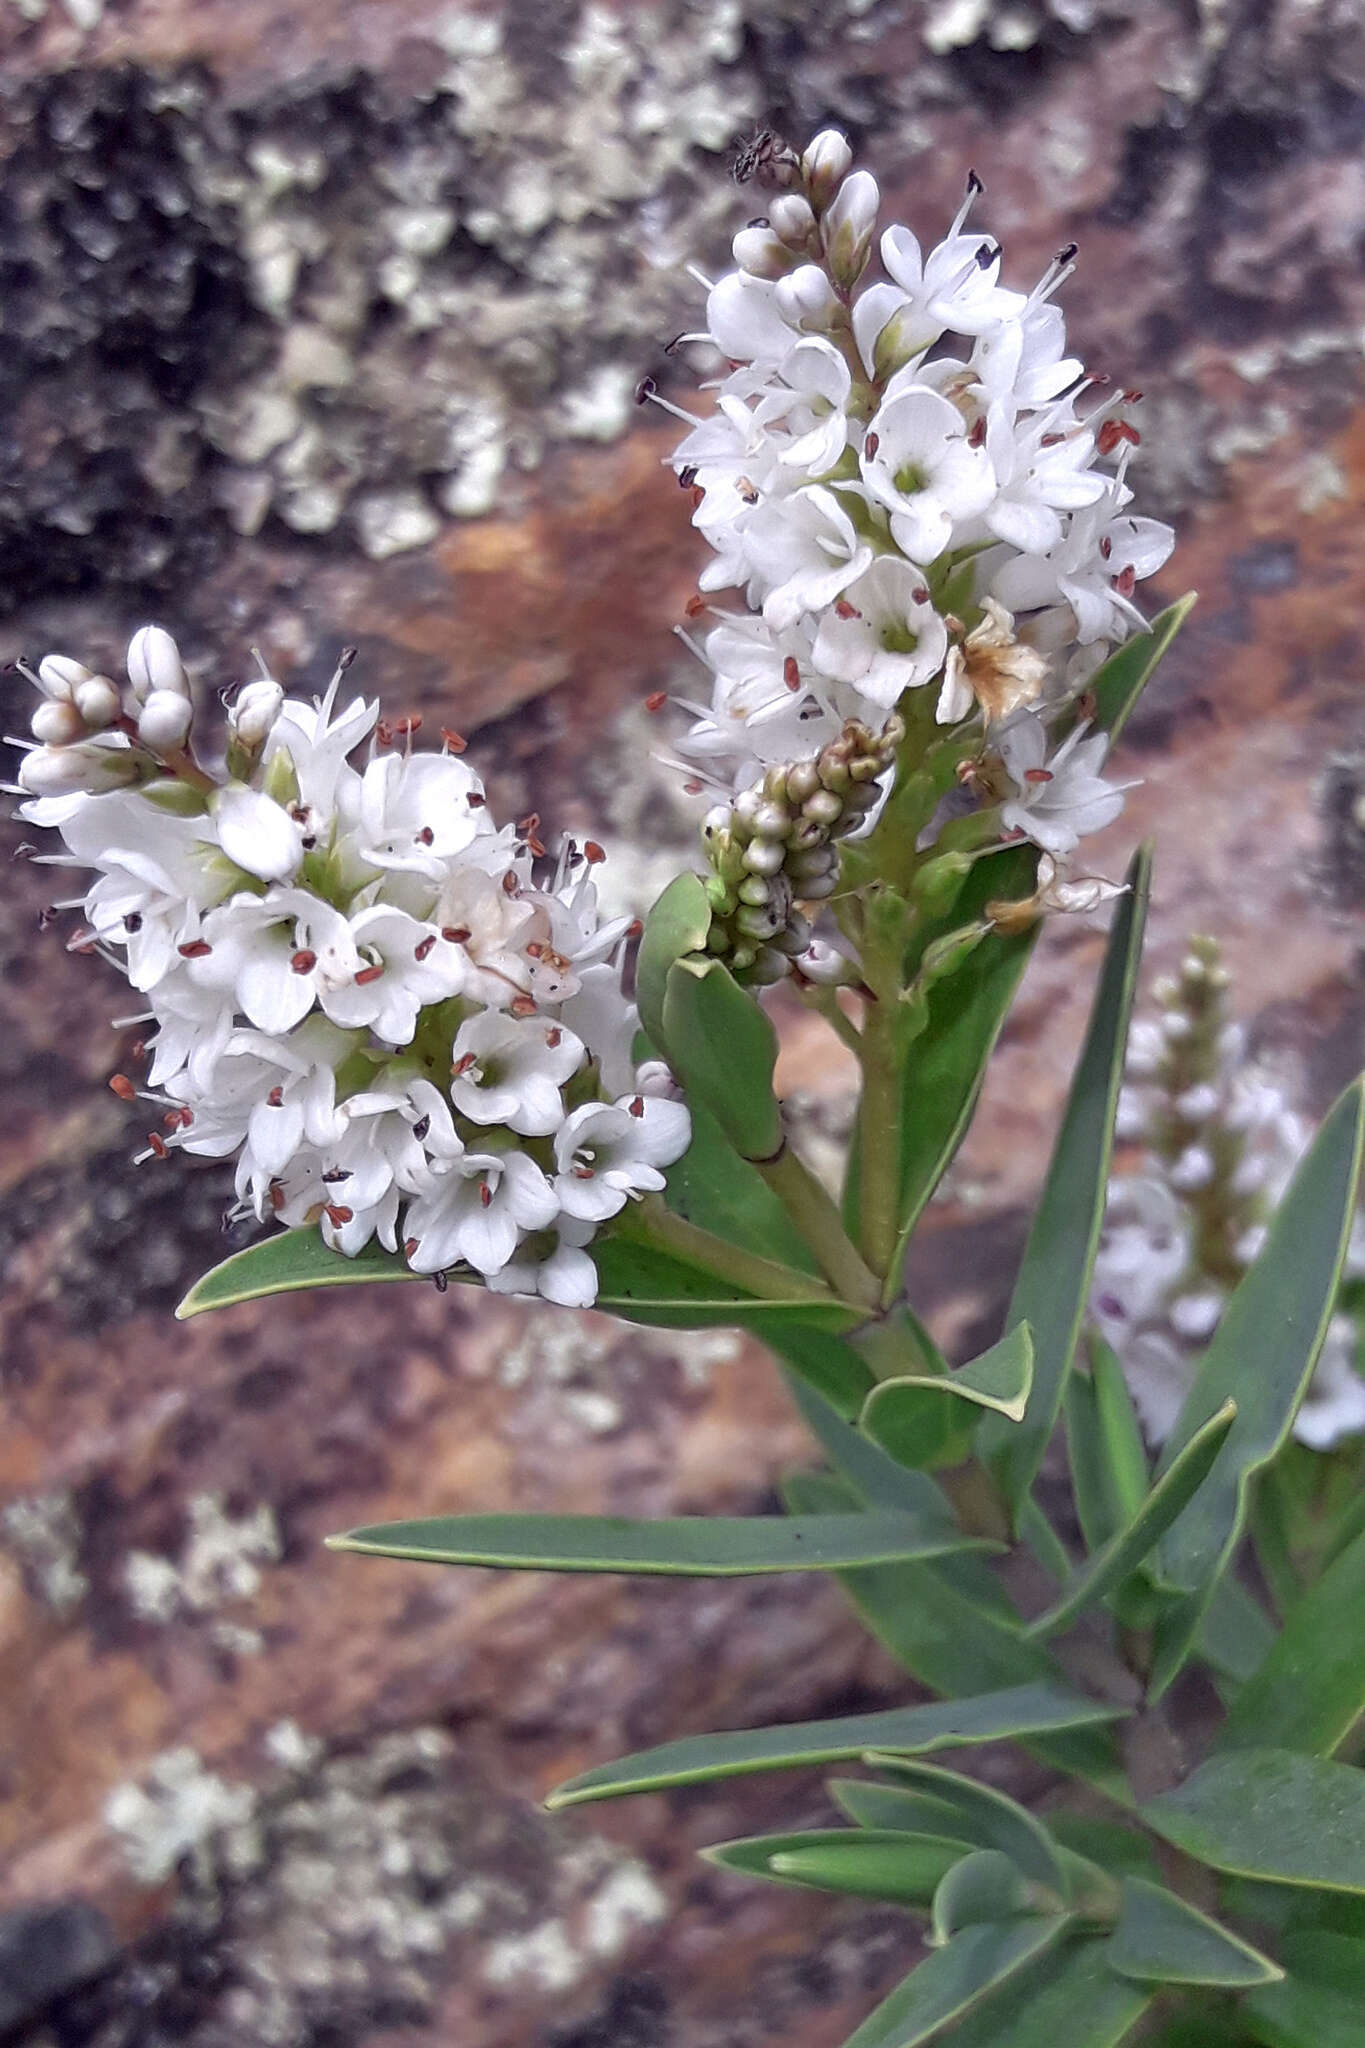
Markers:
826,1003
815,1215
879,1134
651,1223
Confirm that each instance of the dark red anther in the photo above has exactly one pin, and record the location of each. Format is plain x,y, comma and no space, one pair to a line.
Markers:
656,700
421,1127
791,672
454,740
369,974
976,433
523,1006
275,1099
554,1036
383,733
426,837
462,1064
194,949
304,961
687,475
919,594
698,497
1112,432
123,1087
455,934
637,1106
158,1144
634,928
1125,583
1106,547
424,946
409,1247
696,605
692,788
872,444
844,610
476,800
1052,440
1038,775
337,1214
411,721
510,884
593,854
485,1194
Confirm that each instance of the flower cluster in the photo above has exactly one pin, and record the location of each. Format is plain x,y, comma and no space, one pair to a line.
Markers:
406,1023
1220,1144
916,489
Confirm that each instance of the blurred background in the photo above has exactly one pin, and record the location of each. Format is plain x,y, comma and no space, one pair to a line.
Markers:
321,325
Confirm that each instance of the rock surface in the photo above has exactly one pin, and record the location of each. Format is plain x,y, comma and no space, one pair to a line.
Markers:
321,325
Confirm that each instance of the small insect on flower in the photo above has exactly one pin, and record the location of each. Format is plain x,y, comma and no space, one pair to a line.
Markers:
760,157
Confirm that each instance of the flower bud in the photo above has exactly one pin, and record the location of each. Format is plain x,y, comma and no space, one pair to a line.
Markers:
56,722
255,711
154,664
759,252
825,165
826,965
807,299
98,702
164,722
62,771
61,677
848,226
792,221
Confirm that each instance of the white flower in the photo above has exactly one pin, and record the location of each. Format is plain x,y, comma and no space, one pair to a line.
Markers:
607,1152
1093,568
153,663
883,635
918,463
257,834
802,552
414,812
509,1070
812,405
744,321
1058,799
401,965
476,1212
553,1264
1040,469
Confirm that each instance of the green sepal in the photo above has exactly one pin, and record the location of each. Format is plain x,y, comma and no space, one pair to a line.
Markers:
723,1048
677,924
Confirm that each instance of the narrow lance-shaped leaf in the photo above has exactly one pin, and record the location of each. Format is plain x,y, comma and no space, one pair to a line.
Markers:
1321,1999
987,1886
714,1188
1263,1355
895,1808
997,1821
685,1546
1162,1939
1104,1447
1271,1814
1053,1285
989,1717
723,1048
1118,684
863,1864
1309,1693
899,1413
1068,1999
1112,1564
677,924
951,1981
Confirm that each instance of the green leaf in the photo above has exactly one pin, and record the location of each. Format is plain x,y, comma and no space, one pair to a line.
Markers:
878,1480
942,1077
896,1808
948,1983
723,1048
997,1821
832,1371
288,1262
1236,1633
1271,1814
1321,2000
1115,1848
1310,1691
1104,1446
904,1868
904,1415
684,1546
678,924
714,1188
1262,1355
1162,1939
1053,1285
1113,1563
987,1886
1117,685
1069,1999
1020,1710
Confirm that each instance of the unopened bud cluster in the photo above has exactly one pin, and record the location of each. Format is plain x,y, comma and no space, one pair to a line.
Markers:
774,847
1220,1143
